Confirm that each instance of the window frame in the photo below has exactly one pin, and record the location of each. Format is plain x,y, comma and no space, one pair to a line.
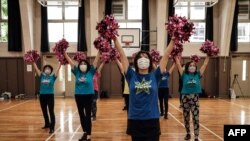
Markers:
63,20
2,21
244,21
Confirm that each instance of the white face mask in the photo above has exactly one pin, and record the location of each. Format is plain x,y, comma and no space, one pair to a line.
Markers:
47,71
191,69
143,63
83,68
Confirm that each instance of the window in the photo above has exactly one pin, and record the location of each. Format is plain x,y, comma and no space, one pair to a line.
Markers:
128,13
62,22
3,21
244,21
195,12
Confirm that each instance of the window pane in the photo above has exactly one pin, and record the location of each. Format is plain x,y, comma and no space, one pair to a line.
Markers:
197,13
4,32
243,32
134,25
199,35
4,10
70,31
71,13
123,25
181,9
55,32
54,12
134,9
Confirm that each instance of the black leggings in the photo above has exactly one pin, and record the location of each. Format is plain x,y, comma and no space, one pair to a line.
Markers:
163,98
152,138
84,104
94,107
126,98
47,101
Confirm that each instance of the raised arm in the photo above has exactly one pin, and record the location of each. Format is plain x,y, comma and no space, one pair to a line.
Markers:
69,60
57,70
204,66
124,59
97,58
164,59
36,69
120,66
171,69
178,64
100,68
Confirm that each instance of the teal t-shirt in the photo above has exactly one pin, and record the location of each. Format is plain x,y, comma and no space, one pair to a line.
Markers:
47,83
191,83
84,81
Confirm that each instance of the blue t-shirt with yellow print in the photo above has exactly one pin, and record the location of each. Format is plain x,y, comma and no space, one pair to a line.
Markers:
143,91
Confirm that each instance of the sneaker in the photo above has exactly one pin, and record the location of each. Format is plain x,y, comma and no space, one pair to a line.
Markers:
166,116
45,127
84,137
196,139
187,137
51,130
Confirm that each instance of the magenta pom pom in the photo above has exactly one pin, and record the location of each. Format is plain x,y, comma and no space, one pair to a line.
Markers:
177,50
180,28
108,27
105,57
102,44
114,54
59,49
155,55
195,58
79,56
209,48
31,56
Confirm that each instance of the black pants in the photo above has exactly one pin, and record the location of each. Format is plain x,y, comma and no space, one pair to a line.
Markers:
153,138
126,98
94,107
84,104
163,98
47,101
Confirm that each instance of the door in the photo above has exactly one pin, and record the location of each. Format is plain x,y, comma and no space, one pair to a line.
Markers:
240,75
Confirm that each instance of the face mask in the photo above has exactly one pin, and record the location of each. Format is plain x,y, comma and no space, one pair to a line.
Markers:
143,63
191,69
83,68
47,71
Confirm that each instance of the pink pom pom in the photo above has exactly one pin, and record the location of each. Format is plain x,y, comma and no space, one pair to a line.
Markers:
114,54
108,27
105,57
195,58
177,50
79,56
155,55
102,44
31,56
59,49
209,48
180,28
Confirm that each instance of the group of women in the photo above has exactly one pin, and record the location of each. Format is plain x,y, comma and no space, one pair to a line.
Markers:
145,83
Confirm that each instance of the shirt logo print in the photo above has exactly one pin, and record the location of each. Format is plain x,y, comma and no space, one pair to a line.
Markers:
143,86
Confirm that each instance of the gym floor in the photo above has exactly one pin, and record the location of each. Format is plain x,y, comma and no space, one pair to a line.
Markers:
22,120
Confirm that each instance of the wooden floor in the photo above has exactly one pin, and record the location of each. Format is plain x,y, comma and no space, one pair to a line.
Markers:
22,120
